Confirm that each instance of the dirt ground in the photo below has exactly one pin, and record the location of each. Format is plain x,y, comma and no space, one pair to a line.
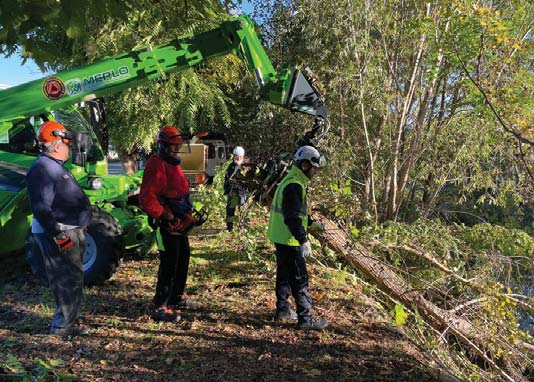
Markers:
230,336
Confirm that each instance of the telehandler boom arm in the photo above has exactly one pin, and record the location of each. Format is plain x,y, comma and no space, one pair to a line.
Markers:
290,88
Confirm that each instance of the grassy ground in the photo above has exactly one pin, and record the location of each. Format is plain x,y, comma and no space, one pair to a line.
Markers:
230,336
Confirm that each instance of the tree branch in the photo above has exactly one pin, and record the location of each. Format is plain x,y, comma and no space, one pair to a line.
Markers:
490,104
427,257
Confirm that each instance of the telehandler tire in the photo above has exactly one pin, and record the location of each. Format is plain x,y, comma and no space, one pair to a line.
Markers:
103,250
34,257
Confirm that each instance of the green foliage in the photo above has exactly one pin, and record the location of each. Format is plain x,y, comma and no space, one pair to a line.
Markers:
251,239
51,32
489,238
186,101
250,231
212,199
341,202
399,314
193,100
59,35
43,371
413,135
482,274
13,365
469,251
433,236
503,312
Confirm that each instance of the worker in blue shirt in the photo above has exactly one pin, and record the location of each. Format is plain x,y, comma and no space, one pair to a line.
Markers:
61,212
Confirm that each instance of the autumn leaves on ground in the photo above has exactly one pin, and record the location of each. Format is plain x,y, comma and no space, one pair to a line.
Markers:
230,336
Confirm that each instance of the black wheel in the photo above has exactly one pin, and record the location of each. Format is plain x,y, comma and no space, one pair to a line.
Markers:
34,257
103,250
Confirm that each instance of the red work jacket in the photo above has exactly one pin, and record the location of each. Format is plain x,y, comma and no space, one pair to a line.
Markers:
161,178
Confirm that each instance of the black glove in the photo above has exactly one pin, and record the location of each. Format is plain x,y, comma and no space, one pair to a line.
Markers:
63,242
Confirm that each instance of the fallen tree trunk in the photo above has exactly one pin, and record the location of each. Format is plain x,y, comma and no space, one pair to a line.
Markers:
468,335
427,257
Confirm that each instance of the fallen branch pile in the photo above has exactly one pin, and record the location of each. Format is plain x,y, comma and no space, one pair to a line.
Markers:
456,329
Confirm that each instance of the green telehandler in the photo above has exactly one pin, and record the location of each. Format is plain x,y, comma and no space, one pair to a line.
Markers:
118,224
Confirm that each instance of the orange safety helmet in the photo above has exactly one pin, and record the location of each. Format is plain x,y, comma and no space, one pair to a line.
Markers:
170,135
52,131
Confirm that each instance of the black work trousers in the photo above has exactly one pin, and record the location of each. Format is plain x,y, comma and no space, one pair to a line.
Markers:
64,271
232,201
292,279
173,268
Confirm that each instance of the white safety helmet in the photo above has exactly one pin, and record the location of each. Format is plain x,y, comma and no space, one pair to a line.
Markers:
310,153
238,150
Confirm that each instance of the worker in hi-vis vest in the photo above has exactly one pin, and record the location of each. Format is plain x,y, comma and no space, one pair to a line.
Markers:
288,225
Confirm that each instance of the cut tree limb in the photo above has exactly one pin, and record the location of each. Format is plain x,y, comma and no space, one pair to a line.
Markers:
428,257
469,336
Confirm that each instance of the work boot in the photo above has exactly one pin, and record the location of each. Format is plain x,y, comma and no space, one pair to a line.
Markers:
185,302
288,316
313,324
166,313
72,331
230,227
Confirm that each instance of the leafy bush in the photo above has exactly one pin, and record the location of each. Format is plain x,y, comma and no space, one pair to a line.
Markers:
212,199
250,228
493,238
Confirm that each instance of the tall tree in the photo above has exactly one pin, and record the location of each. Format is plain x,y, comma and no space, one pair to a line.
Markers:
415,89
52,32
192,100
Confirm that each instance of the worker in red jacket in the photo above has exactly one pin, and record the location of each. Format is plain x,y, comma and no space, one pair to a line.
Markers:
164,196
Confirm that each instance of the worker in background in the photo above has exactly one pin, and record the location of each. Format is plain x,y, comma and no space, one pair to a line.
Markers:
236,195
288,224
61,212
164,196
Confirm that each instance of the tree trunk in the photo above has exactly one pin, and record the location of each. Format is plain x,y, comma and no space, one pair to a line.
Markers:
129,161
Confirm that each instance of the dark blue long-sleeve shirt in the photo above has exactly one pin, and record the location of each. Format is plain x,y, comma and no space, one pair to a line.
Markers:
231,171
291,207
55,196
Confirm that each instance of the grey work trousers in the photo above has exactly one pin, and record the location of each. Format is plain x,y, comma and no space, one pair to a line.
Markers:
64,271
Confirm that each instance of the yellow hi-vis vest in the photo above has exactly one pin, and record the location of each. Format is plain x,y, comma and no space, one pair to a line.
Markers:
278,231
